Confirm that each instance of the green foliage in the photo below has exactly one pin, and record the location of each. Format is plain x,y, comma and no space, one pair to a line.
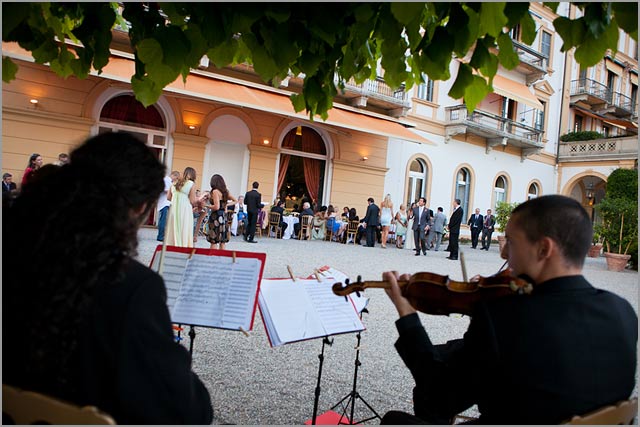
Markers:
619,213
585,135
503,212
329,45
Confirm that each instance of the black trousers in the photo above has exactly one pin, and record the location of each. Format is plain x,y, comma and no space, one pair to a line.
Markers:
453,244
486,238
419,240
475,232
371,235
252,218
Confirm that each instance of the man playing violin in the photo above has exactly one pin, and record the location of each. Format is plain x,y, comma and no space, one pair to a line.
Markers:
565,349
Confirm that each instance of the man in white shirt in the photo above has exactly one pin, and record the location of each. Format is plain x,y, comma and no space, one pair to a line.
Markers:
163,206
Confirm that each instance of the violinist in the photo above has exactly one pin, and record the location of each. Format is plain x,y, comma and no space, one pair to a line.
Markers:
565,349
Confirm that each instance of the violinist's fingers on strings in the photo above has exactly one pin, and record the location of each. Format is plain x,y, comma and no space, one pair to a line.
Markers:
405,277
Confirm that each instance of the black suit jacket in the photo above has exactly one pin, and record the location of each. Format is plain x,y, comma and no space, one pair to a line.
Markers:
564,350
455,220
280,210
492,222
372,215
253,200
127,362
475,222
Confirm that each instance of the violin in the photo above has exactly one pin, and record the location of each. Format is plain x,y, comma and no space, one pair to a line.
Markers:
437,294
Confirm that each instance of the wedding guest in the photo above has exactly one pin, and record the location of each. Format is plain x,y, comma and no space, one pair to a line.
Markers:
182,196
401,226
9,190
409,242
279,208
386,215
220,199
91,324
63,159
35,163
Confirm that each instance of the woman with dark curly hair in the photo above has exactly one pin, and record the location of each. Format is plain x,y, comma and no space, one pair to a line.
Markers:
90,324
35,163
219,198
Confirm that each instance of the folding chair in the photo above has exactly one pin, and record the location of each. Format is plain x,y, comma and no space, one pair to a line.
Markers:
328,234
28,407
306,222
352,231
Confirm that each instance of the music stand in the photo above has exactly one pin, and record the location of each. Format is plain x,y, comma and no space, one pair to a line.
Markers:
325,340
353,394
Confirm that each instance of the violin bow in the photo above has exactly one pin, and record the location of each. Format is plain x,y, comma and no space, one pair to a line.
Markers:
464,267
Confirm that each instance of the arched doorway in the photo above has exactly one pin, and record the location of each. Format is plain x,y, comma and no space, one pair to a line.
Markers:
589,190
303,165
123,113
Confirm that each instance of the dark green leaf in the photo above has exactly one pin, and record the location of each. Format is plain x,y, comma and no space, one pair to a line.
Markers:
476,92
197,46
515,11
150,51
46,52
9,69
464,78
507,55
276,12
463,27
223,54
146,91
528,29
407,12
492,18
596,18
162,74
593,49
13,15
298,102
571,31
553,5
626,15
62,65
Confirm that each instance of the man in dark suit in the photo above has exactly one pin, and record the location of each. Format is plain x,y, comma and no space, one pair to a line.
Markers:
454,229
279,208
565,349
420,227
488,225
253,200
371,221
306,210
475,223
9,190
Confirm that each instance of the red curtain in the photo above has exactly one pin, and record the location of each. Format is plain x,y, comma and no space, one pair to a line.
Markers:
312,176
125,108
284,165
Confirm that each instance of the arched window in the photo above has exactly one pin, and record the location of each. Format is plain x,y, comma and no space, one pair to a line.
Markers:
500,190
533,191
417,185
463,187
125,113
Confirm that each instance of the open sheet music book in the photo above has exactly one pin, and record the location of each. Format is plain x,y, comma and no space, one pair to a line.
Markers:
304,309
359,301
207,287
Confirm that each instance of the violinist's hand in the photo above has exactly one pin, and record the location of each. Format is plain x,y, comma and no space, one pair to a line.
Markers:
395,294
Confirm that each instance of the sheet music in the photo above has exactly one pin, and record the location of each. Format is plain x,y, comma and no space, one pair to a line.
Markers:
360,302
210,290
304,309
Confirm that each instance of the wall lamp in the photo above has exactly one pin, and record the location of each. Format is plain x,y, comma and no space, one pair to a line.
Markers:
364,158
265,141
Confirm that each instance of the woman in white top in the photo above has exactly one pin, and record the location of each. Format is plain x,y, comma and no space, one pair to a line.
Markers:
386,215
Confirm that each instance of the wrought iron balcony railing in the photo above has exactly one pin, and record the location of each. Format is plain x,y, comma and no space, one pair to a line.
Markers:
530,56
590,87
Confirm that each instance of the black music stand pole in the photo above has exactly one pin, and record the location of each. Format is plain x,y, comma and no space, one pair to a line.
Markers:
325,340
192,337
353,395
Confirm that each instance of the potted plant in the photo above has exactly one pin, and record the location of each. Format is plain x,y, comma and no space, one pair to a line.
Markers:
596,246
619,213
503,212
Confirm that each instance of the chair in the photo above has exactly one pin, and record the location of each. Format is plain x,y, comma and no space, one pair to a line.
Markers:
623,412
352,231
329,228
274,223
230,215
28,407
260,222
305,227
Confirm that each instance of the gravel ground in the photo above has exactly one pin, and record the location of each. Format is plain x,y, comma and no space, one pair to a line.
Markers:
252,383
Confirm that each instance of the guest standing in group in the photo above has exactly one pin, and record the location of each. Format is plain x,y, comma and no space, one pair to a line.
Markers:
487,229
439,222
475,223
371,221
386,215
91,324
219,198
182,196
409,243
401,226
420,226
253,200
63,159
241,215
35,163
163,208
9,190
454,229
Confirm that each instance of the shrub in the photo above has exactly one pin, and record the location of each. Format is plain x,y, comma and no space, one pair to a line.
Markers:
503,212
586,135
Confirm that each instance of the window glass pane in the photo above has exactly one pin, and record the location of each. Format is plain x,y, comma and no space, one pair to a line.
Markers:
416,166
546,44
500,183
158,140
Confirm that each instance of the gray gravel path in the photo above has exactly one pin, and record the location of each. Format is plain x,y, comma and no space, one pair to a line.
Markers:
252,383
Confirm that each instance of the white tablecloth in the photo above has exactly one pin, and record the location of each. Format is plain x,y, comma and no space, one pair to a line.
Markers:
290,221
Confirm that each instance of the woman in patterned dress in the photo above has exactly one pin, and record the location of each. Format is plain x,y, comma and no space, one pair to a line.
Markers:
219,198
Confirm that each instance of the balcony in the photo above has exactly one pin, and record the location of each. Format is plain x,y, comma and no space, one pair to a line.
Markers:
590,93
498,131
533,64
377,94
622,105
621,148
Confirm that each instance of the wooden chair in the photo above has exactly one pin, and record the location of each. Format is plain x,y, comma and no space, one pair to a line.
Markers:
28,407
328,234
274,223
260,222
352,231
622,413
306,222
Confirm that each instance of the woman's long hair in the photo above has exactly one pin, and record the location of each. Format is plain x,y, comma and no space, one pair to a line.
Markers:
71,231
32,160
189,174
217,183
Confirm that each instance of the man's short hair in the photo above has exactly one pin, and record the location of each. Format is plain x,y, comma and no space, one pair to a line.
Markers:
6,175
370,200
424,199
560,218
458,202
255,184
306,205
440,209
